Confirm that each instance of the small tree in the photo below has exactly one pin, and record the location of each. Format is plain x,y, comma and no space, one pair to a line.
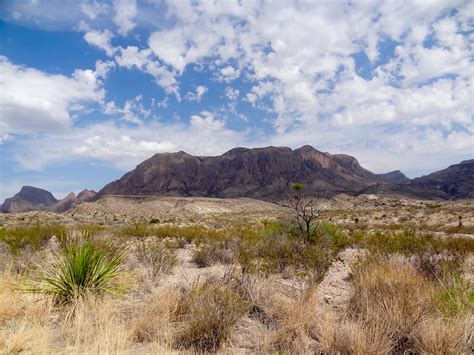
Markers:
307,211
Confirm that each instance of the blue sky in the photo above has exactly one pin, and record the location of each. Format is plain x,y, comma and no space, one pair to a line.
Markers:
88,89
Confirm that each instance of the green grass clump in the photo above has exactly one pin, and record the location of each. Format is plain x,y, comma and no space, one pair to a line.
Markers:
456,297
18,238
81,269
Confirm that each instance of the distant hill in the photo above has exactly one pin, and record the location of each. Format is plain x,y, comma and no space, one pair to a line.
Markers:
454,182
29,198
263,173
395,177
35,199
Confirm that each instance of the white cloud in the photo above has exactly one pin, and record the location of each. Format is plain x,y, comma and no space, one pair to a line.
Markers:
100,39
33,101
133,57
131,111
170,46
298,60
124,146
125,12
103,68
232,94
6,138
93,9
229,73
196,96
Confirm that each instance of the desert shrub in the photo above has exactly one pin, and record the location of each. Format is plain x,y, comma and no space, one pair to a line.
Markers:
136,230
273,253
412,243
90,229
333,237
460,229
203,256
18,238
81,269
155,255
206,315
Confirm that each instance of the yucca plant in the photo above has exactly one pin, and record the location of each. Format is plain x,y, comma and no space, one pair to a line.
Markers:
81,269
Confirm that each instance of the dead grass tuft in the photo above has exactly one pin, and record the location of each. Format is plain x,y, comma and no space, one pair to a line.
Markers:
205,316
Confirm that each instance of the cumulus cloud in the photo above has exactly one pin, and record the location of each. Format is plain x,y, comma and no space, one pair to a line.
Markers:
133,110
93,9
298,65
196,96
101,40
124,146
125,12
34,101
229,73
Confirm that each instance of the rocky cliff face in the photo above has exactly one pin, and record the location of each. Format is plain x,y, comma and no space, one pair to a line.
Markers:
265,173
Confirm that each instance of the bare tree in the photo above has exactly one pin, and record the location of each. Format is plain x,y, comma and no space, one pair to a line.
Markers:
308,211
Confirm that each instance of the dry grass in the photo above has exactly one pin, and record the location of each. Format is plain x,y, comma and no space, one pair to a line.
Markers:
384,294
395,299
394,306
349,336
297,327
205,316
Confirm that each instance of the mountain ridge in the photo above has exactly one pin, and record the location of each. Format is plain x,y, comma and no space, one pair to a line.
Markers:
262,173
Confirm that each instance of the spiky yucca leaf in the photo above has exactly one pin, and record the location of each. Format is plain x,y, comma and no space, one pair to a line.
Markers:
81,269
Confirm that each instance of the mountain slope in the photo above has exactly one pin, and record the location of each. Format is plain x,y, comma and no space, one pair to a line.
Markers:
28,199
454,182
395,177
265,173
35,199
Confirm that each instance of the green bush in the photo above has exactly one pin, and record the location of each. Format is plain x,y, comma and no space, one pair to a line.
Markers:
18,238
81,269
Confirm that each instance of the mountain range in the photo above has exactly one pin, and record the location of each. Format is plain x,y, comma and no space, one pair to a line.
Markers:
261,173
31,198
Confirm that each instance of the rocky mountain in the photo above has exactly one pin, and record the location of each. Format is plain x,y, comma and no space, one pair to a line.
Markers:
35,199
456,181
264,173
395,177
29,198
261,173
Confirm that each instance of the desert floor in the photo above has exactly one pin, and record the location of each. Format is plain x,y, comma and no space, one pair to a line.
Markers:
379,275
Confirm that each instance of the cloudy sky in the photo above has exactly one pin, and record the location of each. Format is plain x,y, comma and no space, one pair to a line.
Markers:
88,89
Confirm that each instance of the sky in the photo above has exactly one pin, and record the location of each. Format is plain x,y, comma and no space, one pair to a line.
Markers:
89,89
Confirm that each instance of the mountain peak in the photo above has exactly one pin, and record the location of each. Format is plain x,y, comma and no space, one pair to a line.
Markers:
395,177
29,198
265,173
